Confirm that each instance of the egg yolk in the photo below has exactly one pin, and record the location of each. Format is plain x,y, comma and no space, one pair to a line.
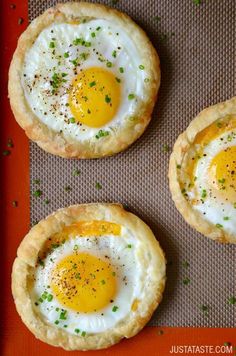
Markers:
223,171
83,282
94,97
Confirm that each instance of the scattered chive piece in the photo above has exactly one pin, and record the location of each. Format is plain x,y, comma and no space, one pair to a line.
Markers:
165,148
103,282
83,333
204,308
52,45
141,67
6,153
115,308
75,247
56,322
46,201
197,2
67,188
38,193
98,186
146,80
109,64
232,300
102,133
76,172
63,315
219,225
178,166
113,274
77,276
221,180
186,281
131,96
157,18
87,44
219,124
36,181
234,205
114,53
57,309
41,263
92,84
129,246
15,204
185,264
98,28
121,69
93,34
225,218
77,331
66,54
107,99
65,326
227,343
50,297
204,194
72,120
118,80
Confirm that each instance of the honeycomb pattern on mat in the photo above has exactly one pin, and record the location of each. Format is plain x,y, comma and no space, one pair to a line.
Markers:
196,45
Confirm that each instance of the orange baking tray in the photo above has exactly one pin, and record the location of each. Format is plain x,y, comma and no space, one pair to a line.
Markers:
15,339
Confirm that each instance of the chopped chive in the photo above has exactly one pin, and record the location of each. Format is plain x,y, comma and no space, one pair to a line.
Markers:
121,69
186,281
83,333
185,264
113,274
109,64
225,218
63,315
76,172
235,205
10,143
178,166
103,282
20,21
46,201
204,308
102,133
219,225
118,80
107,99
98,186
115,308
66,54
131,96
114,54
77,331
37,193
72,120
129,246
232,300
197,2
93,34
6,152
56,322
165,148
141,67
52,45
204,194
92,84
50,298
67,188
98,28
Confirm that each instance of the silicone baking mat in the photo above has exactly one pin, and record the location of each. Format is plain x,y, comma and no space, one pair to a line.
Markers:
196,44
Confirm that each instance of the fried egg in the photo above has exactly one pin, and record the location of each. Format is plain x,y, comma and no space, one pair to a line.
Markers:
85,80
209,180
89,277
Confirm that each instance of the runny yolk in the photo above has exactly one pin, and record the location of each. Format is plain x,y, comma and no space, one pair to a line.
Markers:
83,282
223,171
94,97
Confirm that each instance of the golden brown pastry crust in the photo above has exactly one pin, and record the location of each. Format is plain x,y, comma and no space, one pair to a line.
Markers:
55,142
26,261
181,147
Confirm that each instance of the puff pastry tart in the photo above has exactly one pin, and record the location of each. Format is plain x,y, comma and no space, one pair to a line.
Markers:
88,276
202,172
83,80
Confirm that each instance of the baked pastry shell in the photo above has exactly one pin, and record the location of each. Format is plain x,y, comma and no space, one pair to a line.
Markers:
27,257
181,147
56,142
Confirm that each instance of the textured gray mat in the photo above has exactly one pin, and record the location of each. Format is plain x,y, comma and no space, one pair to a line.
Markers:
196,44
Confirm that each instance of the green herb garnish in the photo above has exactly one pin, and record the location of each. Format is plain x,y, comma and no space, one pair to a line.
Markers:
102,133
115,308
98,186
131,96
37,193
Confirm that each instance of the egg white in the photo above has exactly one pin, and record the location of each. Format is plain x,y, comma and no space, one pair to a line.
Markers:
130,275
39,62
214,207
